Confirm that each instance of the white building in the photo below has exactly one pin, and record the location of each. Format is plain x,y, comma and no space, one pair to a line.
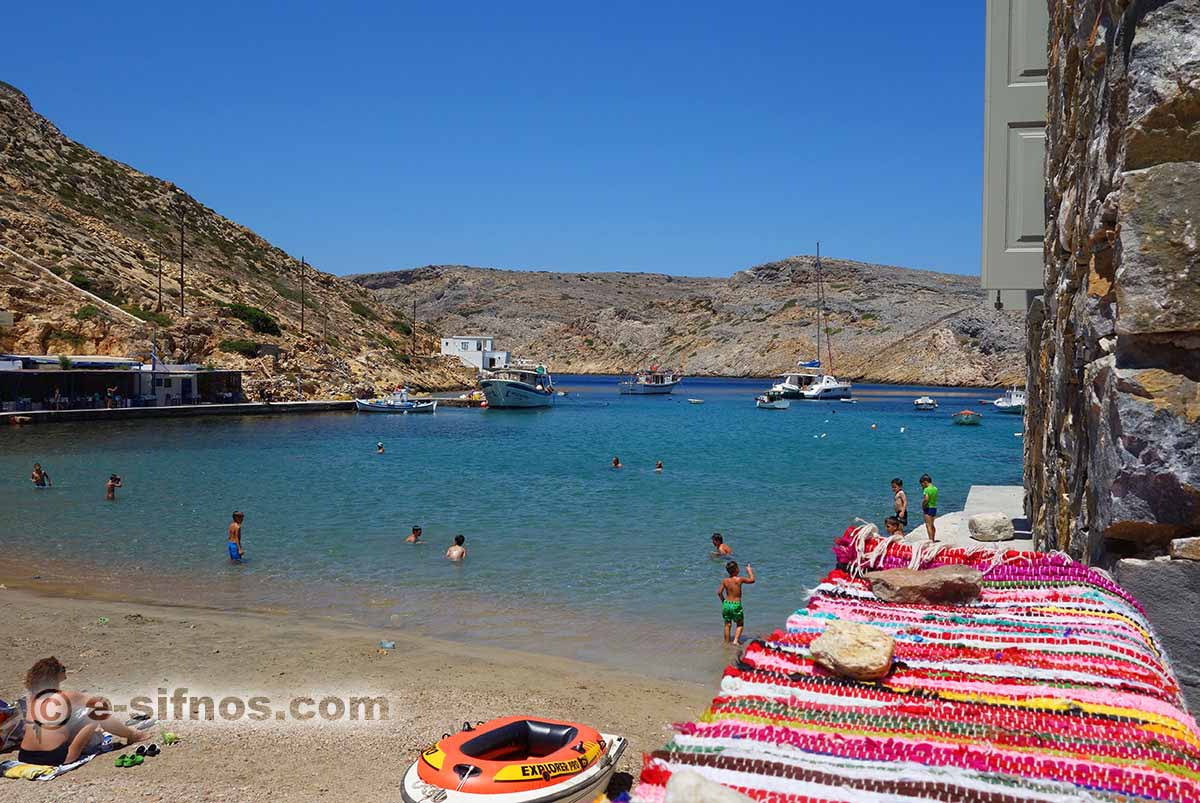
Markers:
477,352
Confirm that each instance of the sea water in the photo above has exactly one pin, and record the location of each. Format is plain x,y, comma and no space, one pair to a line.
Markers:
566,555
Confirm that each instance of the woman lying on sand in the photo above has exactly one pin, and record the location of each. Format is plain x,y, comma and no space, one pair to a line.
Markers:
60,725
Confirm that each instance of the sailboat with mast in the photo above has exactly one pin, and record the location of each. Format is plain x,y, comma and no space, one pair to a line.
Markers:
809,381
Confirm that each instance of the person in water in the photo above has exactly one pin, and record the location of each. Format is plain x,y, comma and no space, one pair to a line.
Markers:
616,463
658,466
110,488
39,477
60,726
719,544
236,553
457,552
730,594
893,526
379,448
929,497
900,501
415,536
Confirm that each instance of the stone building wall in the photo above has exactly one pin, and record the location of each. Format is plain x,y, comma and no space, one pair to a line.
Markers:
1112,456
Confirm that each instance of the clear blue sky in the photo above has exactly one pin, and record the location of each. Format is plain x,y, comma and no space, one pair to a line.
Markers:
690,138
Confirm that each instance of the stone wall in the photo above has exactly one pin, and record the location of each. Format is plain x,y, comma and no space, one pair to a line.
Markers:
1112,456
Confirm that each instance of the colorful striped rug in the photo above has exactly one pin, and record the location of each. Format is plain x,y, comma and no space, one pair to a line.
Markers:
1051,687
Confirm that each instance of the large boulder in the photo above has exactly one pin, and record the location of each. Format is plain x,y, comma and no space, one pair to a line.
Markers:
943,585
853,650
991,527
689,786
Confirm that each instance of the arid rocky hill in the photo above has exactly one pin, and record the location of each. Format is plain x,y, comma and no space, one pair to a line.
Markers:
99,226
889,324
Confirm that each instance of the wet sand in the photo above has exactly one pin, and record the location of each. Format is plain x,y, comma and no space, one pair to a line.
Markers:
430,687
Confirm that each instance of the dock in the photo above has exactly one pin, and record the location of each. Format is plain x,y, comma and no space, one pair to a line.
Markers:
952,527
174,411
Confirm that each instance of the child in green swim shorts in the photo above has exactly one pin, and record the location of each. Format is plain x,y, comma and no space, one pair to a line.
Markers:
730,594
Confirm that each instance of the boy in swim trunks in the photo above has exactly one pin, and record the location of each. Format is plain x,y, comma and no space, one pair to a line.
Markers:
929,496
900,501
235,537
730,594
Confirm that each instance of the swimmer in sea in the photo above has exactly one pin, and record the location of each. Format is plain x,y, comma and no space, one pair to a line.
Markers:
39,477
379,448
457,552
616,463
730,594
415,537
658,466
235,537
110,488
718,542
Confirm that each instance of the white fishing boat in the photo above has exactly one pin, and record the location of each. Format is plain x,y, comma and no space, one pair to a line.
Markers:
515,760
398,402
695,401
652,381
771,400
1012,402
925,403
518,387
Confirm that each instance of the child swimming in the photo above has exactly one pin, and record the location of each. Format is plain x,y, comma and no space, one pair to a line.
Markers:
718,542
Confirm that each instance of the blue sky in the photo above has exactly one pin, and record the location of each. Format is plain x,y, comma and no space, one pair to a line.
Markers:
694,138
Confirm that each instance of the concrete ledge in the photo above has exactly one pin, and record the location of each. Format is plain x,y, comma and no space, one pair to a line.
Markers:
180,411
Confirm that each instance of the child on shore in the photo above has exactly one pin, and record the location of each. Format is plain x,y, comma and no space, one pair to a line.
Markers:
893,526
235,537
929,497
730,594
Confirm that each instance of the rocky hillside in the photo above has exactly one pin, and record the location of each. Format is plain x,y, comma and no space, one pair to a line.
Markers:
889,324
99,226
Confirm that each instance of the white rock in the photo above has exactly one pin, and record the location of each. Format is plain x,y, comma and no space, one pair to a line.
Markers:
688,786
991,527
853,650
1185,549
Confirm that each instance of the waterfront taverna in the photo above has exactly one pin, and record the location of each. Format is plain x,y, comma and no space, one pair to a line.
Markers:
475,351
72,382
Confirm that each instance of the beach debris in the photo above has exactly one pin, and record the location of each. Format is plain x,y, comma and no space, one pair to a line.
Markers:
137,619
169,738
942,585
991,527
102,620
853,650
387,645
1185,549
688,786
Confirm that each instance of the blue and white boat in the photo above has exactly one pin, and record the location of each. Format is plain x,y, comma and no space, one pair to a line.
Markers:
398,402
518,387
654,381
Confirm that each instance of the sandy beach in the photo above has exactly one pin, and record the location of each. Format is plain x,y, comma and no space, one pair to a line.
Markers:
430,687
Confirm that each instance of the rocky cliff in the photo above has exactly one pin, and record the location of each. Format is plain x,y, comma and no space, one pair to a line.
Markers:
888,324
1114,364
80,240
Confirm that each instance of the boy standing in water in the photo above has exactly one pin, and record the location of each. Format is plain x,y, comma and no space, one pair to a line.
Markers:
719,544
39,477
457,551
730,594
929,496
235,537
900,501
110,488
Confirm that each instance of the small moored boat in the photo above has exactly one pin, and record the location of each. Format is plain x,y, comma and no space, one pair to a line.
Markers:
925,403
1012,402
398,402
695,401
771,400
651,382
518,387
515,760
967,417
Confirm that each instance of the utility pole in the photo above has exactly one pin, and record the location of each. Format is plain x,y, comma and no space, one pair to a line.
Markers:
181,218
413,326
159,250
301,295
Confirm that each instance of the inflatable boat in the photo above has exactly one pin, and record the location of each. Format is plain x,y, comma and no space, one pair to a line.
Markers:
515,760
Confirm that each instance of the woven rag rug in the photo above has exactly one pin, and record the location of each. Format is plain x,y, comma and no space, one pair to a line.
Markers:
1050,687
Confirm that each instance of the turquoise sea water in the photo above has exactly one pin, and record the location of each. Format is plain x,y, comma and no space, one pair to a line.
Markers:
566,555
